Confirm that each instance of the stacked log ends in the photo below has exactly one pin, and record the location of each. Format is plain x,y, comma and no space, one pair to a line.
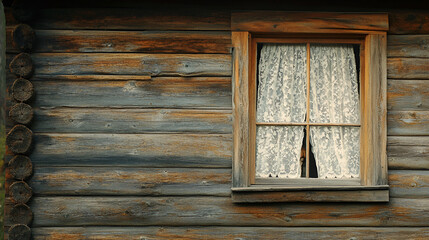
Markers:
20,167
21,214
19,232
22,90
20,192
21,113
23,37
22,65
19,139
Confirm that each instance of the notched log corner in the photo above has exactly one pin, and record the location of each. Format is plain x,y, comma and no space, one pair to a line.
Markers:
20,192
23,37
22,65
21,214
19,139
19,232
21,113
20,167
22,90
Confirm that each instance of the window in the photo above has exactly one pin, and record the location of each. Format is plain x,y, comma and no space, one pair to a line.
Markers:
309,107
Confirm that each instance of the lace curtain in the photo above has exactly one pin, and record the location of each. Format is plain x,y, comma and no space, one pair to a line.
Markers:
281,97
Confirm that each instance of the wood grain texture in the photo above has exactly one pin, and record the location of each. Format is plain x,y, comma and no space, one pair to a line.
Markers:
22,90
19,139
373,167
21,113
194,92
149,150
111,120
22,65
409,184
20,192
379,195
220,211
408,152
19,232
407,95
409,22
23,37
307,22
131,19
133,41
132,64
122,181
215,233
411,123
20,167
240,105
17,213
131,181
408,46
408,68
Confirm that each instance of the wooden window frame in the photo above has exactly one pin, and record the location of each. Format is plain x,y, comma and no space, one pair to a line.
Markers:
368,30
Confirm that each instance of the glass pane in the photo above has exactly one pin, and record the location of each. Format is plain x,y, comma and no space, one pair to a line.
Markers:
334,85
336,151
281,84
278,151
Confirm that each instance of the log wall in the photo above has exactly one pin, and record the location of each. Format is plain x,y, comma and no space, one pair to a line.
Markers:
133,133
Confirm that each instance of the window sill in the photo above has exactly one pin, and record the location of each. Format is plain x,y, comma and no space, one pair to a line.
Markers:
267,193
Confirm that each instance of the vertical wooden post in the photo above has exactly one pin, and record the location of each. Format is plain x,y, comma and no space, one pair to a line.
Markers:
240,103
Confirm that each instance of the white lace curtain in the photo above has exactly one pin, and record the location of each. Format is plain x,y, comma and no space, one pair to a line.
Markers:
282,97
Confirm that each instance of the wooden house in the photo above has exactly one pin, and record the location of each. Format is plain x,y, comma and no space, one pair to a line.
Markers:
136,120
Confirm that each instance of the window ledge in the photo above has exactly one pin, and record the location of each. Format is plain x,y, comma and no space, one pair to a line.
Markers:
266,193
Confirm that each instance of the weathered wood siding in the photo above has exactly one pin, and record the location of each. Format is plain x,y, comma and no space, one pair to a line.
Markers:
133,133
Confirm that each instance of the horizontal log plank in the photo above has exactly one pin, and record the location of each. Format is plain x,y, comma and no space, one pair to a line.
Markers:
220,211
408,140
169,92
215,233
131,19
410,22
164,181
408,68
133,41
407,95
149,150
111,120
408,157
132,64
93,41
408,46
408,123
308,22
409,184
408,152
131,181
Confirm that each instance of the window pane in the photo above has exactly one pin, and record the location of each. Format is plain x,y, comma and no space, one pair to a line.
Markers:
336,150
278,151
282,75
334,86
